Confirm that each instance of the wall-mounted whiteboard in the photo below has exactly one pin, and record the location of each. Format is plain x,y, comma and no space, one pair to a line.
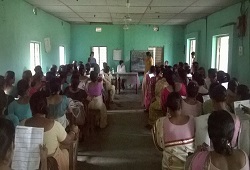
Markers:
117,55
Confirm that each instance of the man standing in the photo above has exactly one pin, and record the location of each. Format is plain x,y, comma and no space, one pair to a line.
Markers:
92,60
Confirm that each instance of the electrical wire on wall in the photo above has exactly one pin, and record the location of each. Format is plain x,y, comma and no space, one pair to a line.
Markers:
2,11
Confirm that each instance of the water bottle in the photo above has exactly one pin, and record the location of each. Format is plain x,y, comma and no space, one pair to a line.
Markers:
113,71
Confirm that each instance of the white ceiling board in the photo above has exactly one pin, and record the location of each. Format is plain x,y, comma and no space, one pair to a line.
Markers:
97,19
65,14
177,3
165,9
102,9
98,15
56,9
44,2
151,23
201,10
153,20
159,15
133,16
195,16
143,3
74,19
125,9
221,3
84,2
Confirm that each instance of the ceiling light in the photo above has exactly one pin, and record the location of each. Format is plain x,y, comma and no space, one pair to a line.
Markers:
156,28
127,18
125,27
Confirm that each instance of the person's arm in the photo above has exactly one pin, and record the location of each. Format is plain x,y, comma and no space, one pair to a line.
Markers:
43,157
71,136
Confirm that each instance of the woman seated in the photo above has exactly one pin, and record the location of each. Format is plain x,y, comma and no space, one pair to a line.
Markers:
54,132
19,109
218,96
173,87
243,92
232,93
83,78
58,104
202,90
107,78
9,88
27,75
221,128
191,106
155,109
94,91
174,134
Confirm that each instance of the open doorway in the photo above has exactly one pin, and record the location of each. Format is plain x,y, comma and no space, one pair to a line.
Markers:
100,54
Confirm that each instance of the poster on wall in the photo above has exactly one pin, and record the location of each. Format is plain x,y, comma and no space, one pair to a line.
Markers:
117,55
47,45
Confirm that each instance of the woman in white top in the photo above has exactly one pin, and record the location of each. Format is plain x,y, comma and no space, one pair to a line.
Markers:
121,69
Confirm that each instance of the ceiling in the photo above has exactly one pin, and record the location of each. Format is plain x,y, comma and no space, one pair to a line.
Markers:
154,12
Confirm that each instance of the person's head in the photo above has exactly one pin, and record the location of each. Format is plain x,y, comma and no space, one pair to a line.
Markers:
221,77
55,86
173,102
195,67
81,69
38,103
3,102
202,71
104,64
22,87
193,54
2,82
121,62
53,69
97,68
218,94
181,65
169,76
91,54
183,75
192,89
221,130
38,70
75,82
158,70
10,77
166,63
199,79
152,69
212,74
106,69
148,54
7,136
232,85
243,92
69,68
27,75
93,76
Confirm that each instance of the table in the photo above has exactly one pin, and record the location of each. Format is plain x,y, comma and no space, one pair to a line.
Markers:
127,74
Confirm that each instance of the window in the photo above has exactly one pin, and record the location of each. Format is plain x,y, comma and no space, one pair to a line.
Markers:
191,47
100,54
157,55
62,57
222,49
34,55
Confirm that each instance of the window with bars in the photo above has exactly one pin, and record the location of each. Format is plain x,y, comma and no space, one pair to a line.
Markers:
191,47
222,48
100,54
35,59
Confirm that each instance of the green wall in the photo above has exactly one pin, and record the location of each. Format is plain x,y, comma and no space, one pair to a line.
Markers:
220,22
19,26
139,37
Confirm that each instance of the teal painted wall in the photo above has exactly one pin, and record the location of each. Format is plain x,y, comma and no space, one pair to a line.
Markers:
218,22
83,37
19,26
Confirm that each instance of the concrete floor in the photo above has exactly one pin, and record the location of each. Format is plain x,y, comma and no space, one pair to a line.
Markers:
125,143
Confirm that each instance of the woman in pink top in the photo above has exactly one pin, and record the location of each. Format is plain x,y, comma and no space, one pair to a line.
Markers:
173,87
191,106
221,129
94,91
174,135
150,81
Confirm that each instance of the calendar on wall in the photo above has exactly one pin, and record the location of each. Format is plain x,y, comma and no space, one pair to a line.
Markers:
117,55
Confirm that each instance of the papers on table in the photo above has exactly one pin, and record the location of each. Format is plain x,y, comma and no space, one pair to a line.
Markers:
27,151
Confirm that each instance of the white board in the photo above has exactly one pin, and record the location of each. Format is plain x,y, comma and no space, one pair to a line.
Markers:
117,55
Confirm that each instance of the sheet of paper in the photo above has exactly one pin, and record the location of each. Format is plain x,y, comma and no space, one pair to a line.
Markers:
238,105
27,151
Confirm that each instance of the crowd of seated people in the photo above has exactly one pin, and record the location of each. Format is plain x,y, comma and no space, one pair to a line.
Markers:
195,116
54,102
